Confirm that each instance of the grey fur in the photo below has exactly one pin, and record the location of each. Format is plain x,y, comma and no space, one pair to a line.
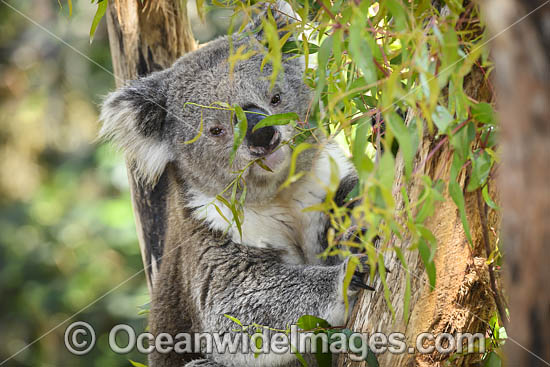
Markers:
206,273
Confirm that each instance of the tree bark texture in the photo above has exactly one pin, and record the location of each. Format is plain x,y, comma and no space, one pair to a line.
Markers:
522,56
145,37
466,290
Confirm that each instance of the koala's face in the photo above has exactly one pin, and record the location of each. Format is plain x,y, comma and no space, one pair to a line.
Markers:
156,119
209,83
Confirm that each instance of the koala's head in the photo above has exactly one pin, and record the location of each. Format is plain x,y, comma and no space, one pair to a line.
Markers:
155,119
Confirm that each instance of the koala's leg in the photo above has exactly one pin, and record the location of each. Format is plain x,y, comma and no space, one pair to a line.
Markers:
253,286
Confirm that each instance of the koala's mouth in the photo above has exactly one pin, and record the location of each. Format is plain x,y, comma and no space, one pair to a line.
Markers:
263,142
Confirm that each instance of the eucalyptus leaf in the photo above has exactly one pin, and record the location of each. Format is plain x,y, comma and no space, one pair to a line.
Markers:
483,112
295,47
442,119
100,12
279,119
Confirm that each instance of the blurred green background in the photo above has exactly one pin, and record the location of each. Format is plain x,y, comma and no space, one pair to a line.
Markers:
67,234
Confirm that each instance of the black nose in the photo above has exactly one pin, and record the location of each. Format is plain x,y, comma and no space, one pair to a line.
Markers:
263,140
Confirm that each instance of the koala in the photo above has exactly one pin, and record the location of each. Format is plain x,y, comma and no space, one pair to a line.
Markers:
269,273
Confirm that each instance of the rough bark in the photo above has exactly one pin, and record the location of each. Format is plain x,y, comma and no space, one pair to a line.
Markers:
145,37
522,56
464,297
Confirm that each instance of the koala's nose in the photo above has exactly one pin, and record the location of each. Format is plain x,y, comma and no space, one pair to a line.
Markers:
263,140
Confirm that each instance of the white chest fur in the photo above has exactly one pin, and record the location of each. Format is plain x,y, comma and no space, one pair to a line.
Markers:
282,223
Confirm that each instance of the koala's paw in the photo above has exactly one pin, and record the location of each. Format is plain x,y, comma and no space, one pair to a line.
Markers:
358,279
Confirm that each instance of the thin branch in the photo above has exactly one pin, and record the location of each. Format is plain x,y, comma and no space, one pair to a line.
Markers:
327,10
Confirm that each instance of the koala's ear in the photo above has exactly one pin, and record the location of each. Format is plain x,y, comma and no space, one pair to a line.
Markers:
282,13
134,120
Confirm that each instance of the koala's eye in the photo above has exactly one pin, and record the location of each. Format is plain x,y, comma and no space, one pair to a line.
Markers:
216,131
276,99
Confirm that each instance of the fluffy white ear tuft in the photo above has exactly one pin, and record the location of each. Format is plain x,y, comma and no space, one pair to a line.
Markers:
147,154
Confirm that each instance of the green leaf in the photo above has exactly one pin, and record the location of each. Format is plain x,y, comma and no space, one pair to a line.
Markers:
407,298
405,139
200,9
458,98
398,12
481,167
353,193
492,360
292,177
363,164
334,180
449,57
309,322
234,212
137,364
101,8
322,61
360,50
386,176
462,140
199,134
425,252
371,359
260,162
259,344
456,194
382,271
235,320
298,356
427,206
337,36
221,214
350,271
296,47
224,105
442,118
144,309
239,131
322,359
429,237
483,112
487,198
279,119
69,3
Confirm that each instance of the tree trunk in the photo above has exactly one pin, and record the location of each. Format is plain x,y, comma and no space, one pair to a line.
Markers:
466,290
145,37
522,56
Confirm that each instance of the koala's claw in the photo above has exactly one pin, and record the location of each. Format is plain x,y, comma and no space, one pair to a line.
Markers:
360,284
357,281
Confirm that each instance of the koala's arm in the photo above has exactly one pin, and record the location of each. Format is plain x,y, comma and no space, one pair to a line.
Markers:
254,286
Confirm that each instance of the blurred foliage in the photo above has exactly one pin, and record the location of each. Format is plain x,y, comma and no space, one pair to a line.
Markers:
67,229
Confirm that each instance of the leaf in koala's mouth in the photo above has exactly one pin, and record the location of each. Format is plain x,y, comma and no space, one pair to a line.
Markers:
260,162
